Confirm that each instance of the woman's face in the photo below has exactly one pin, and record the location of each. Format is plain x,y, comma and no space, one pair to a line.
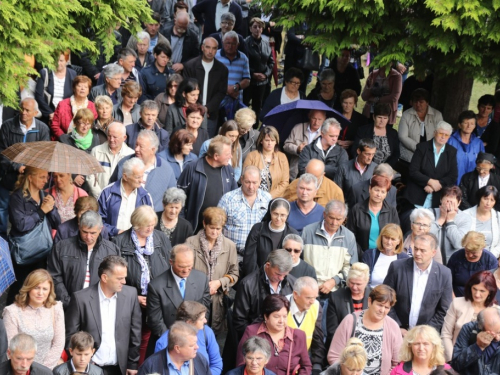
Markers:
61,63
293,85
146,230
344,370
483,169
187,148
422,348
268,143
278,217
484,110
142,47
191,97
381,121
389,243
82,90
39,179
441,137
422,225
467,126
348,105
115,82
377,194
61,180
39,294
172,89
199,323
357,285
104,111
487,203
276,321
83,127
172,210
194,120
255,362
326,85
129,101
232,135
212,231
479,293
378,310
256,30
473,256
243,130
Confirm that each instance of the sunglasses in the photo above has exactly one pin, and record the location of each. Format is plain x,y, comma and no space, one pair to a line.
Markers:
296,251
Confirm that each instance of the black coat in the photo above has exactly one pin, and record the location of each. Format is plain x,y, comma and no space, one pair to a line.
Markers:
469,186
67,139
48,107
260,58
367,131
35,369
333,160
190,44
274,100
204,12
3,342
349,131
183,230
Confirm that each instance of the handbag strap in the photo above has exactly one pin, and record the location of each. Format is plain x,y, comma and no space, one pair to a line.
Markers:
289,356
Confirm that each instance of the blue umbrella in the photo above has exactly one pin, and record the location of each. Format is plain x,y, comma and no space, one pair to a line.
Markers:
285,116
7,276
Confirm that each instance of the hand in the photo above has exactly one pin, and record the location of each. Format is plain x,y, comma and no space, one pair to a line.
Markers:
47,204
401,68
214,286
327,286
403,332
21,169
260,77
121,231
51,116
428,189
272,23
345,144
96,77
301,147
434,184
177,67
484,339
452,210
232,92
79,180
131,372
142,301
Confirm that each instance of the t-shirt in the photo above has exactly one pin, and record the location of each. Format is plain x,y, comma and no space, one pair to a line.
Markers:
207,67
357,304
298,220
214,190
380,269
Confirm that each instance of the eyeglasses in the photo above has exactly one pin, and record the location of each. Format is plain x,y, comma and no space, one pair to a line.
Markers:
482,169
446,135
295,83
227,23
296,251
421,225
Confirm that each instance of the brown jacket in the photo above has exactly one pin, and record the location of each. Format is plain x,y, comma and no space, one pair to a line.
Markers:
327,191
280,172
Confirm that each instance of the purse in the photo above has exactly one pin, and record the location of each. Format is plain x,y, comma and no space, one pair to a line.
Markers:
33,246
310,60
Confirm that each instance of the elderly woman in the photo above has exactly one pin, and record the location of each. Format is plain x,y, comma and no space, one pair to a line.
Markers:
433,167
389,248
349,100
324,91
256,353
275,171
37,313
352,360
345,301
104,107
111,86
62,122
267,235
144,57
65,194
479,293
246,119
128,111
194,313
468,145
216,256
289,345
195,114
178,153
379,333
176,228
366,218
421,221
167,98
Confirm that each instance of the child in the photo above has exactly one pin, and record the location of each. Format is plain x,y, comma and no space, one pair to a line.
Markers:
81,348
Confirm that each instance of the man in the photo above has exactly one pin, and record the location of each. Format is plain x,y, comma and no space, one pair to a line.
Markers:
110,312
301,135
227,21
326,191
208,13
212,77
360,191
244,207
155,75
21,353
126,59
346,76
477,349
358,169
305,210
153,29
118,201
306,314
22,128
109,155
176,358
149,115
325,148
423,287
272,278
207,180
294,244
73,262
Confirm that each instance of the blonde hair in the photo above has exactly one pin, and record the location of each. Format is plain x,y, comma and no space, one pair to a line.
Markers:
142,216
358,271
214,216
34,279
103,99
424,332
23,182
354,354
474,241
83,114
392,231
245,118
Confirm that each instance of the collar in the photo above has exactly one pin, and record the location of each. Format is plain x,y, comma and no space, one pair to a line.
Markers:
294,309
223,54
310,131
435,149
72,366
358,166
122,190
177,278
102,297
32,127
224,5
422,272
170,363
324,230
320,146
263,329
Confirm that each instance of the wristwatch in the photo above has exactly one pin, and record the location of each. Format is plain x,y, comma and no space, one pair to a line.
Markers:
236,86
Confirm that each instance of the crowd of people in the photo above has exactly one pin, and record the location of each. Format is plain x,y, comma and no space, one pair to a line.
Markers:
208,226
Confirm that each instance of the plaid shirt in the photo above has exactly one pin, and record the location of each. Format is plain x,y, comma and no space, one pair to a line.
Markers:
240,216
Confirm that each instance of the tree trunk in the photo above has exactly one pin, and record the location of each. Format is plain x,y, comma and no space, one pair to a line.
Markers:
451,95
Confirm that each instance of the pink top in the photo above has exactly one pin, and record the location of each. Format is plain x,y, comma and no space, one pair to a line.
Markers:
67,209
399,370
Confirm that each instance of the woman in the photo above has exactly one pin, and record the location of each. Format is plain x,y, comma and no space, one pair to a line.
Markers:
389,248
65,194
469,260
178,153
286,94
288,345
366,218
187,93
345,301
421,221
485,106
104,107
194,313
421,353
62,122
468,145
352,360
54,86
231,130
324,90
267,235
195,114
216,256
37,313
147,252
167,98
273,164
256,353
379,333
128,111
144,57
176,228
111,86
479,293
349,100
82,136
246,119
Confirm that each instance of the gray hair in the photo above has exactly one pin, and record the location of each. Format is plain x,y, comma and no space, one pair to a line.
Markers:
336,206
357,271
308,178
103,99
443,125
29,99
124,53
327,75
210,38
250,168
295,238
151,137
257,344
330,122
231,35
384,169
130,165
422,213
112,70
180,248
281,259
141,35
178,334
120,125
174,195
228,16
304,281
90,219
22,342
429,238
481,316
150,104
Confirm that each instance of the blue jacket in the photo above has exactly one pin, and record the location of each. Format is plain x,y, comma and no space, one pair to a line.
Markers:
110,201
155,82
370,259
466,153
134,130
193,181
208,347
167,155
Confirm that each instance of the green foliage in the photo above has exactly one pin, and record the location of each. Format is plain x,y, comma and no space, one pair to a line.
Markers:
43,28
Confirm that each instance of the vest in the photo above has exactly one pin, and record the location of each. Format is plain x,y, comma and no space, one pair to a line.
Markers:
308,323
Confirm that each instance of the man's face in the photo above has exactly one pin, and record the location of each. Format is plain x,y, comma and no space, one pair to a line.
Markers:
148,117
116,138
225,156
27,111
230,46
423,253
89,235
143,149
306,192
331,136
183,264
152,29
209,49
181,26
333,220
81,358
188,351
115,279
128,63
344,58
21,361
136,179
316,119
365,157
274,274
306,298
250,183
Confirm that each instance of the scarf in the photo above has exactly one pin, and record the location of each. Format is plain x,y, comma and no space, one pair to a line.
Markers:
210,255
82,142
140,252
74,109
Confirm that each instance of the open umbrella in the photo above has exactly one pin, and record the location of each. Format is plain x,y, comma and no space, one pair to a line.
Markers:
53,157
7,276
285,116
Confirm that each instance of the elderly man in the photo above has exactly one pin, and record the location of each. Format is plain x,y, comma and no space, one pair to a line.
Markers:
149,115
109,155
272,278
360,191
153,29
209,13
244,207
306,314
112,77
325,148
88,248
21,353
302,135
118,200
227,21
126,59
207,180
294,244
305,210
156,74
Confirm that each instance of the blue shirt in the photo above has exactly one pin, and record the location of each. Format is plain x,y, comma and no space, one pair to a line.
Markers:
172,367
437,155
374,230
298,220
239,68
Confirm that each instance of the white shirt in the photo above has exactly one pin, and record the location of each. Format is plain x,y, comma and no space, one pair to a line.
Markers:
106,354
126,209
24,129
327,235
312,135
320,146
286,99
207,66
220,9
380,269
58,90
296,313
483,181
277,291
147,172
86,283
420,279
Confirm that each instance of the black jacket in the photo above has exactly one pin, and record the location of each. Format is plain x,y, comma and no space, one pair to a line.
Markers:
260,58
469,186
333,160
48,107
3,342
67,264
35,369
157,363
367,131
349,131
190,44
182,230
204,12
274,100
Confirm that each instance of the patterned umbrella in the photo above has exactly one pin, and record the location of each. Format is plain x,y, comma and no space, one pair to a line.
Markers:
54,157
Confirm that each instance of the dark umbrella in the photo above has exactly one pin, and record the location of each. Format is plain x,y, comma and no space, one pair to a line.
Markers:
285,116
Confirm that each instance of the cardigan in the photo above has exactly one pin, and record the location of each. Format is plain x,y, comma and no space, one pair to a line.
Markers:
279,169
494,247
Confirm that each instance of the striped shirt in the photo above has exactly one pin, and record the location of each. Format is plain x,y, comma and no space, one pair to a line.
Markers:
239,68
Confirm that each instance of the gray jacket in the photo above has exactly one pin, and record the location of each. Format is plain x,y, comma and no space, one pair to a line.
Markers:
67,369
453,231
348,176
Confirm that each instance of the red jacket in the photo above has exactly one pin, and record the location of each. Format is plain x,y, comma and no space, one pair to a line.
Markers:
63,116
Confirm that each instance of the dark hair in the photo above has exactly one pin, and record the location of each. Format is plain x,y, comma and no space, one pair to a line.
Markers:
272,133
190,310
383,293
192,108
348,93
420,94
382,109
366,143
228,126
273,303
294,73
487,100
274,204
380,181
81,341
466,115
109,263
185,87
163,47
180,5
486,191
490,283
156,16
86,202
173,78
179,139
452,190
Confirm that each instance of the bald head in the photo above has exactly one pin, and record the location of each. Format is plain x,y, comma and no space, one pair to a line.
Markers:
316,167
490,319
